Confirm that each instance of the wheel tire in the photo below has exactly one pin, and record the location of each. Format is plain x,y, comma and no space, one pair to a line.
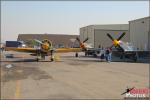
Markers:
52,59
86,53
76,55
135,59
37,59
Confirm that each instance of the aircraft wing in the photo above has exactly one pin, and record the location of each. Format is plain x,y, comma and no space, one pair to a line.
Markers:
28,50
34,50
138,51
64,50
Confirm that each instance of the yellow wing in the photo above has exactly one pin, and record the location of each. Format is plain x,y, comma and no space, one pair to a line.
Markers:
65,50
29,50
33,50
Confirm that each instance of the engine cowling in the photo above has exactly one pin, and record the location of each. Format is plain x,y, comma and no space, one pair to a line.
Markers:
46,45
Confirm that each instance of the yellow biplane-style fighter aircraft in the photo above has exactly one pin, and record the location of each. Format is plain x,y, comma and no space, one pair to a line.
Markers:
46,49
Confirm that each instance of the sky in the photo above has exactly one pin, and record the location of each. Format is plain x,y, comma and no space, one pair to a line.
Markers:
65,17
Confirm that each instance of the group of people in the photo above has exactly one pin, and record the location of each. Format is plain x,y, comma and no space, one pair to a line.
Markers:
105,54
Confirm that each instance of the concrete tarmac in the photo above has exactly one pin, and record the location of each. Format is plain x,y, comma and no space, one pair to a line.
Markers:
69,77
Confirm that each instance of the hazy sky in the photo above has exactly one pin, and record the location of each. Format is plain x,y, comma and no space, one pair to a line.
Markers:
65,17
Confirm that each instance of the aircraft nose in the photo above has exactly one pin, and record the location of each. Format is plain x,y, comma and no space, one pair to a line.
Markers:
115,42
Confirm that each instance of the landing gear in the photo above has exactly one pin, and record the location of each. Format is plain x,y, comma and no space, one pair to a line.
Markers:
37,59
52,57
76,54
86,53
135,59
38,54
43,57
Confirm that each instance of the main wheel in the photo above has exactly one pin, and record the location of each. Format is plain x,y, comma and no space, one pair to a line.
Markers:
37,59
86,53
76,54
135,59
52,59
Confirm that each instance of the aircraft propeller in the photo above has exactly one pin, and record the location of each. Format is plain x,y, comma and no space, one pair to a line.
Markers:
38,41
121,36
110,36
86,40
116,41
78,39
127,90
46,48
82,43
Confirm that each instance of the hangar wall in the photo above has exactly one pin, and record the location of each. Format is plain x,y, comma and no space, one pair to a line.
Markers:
139,30
58,40
149,40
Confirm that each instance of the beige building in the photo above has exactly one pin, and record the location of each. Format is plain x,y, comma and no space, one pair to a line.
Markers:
97,34
140,33
58,40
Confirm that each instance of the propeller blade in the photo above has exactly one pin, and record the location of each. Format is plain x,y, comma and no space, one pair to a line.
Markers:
82,45
119,47
78,39
132,88
85,39
123,93
121,36
110,36
38,41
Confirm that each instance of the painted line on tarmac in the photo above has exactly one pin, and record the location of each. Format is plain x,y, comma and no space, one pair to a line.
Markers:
17,92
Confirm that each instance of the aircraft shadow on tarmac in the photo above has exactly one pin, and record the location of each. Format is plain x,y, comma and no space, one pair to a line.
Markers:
81,58
74,59
25,60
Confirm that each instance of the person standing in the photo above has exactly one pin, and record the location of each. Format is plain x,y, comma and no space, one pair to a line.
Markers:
102,54
108,55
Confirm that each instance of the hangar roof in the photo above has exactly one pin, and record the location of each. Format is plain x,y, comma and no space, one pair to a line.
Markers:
109,26
140,19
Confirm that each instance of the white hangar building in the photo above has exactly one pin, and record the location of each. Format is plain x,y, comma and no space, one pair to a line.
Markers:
140,33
